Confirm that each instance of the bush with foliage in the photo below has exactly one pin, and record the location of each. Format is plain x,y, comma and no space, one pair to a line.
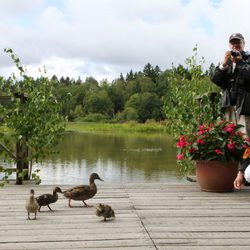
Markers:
192,99
33,119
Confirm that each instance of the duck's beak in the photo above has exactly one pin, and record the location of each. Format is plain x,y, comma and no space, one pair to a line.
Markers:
101,179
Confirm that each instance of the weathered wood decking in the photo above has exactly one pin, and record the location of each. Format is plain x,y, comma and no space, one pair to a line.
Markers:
148,216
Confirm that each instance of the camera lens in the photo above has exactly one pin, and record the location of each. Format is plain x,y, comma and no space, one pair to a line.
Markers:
234,53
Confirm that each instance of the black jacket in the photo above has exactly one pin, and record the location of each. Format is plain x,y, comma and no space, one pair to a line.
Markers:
235,85
244,164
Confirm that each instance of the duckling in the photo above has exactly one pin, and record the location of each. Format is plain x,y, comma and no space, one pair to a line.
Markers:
83,192
46,199
31,204
105,210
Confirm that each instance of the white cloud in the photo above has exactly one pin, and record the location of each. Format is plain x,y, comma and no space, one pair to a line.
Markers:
102,38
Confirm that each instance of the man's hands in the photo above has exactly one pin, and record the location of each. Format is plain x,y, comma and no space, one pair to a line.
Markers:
228,57
237,58
238,182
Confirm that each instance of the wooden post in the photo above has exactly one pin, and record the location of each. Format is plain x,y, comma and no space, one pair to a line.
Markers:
212,97
24,149
19,163
26,162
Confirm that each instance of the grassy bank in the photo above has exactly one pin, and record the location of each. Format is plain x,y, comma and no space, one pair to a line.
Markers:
133,127
130,127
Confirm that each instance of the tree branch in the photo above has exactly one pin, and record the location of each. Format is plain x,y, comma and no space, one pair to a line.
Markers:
5,149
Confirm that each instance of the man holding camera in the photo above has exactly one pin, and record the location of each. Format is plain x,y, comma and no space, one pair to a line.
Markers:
233,76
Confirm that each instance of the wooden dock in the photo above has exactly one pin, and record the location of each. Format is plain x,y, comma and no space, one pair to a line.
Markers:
148,216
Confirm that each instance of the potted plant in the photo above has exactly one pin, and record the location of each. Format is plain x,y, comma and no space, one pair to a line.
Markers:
217,150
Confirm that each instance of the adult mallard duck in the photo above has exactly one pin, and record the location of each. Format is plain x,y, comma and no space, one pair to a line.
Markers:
46,199
31,204
83,192
105,211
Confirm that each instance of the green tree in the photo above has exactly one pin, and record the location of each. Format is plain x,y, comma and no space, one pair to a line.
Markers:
133,87
151,72
128,114
162,84
117,94
134,101
99,102
182,71
33,120
150,107
78,112
130,76
147,106
91,84
121,77
211,69
55,79
146,84
78,81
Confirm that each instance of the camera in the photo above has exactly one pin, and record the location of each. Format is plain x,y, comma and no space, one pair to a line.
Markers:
235,53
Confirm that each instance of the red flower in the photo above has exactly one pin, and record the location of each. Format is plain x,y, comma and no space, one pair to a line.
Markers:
218,152
180,157
201,142
201,129
229,127
231,146
182,142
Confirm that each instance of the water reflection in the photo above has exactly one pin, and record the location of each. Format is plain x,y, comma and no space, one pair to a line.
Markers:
116,158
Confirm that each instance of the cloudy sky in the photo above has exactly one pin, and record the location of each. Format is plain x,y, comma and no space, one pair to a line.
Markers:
103,38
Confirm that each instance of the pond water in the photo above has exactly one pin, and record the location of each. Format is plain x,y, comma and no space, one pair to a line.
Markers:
117,158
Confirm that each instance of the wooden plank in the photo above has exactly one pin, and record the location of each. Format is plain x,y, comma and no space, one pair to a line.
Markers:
185,247
148,216
138,244
202,242
43,236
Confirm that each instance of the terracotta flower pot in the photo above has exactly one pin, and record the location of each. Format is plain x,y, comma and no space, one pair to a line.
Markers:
216,176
